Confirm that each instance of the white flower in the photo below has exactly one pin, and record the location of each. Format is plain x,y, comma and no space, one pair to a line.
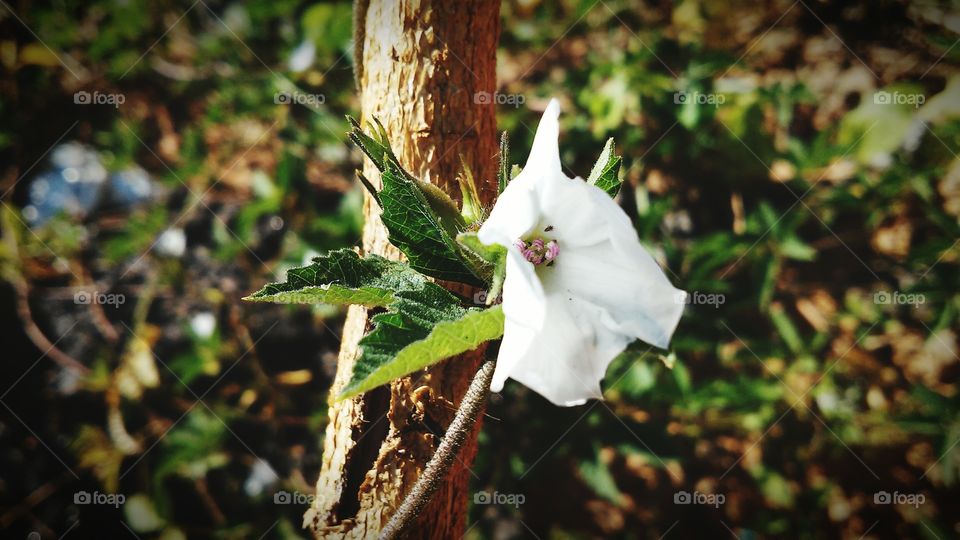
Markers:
579,286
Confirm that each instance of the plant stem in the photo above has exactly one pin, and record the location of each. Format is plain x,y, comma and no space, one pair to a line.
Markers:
442,459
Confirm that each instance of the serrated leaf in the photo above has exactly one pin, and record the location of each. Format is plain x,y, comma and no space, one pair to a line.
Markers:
377,147
342,277
368,185
424,323
416,231
421,329
606,171
421,219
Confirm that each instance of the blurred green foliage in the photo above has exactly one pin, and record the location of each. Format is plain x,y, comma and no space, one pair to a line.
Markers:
806,207
810,207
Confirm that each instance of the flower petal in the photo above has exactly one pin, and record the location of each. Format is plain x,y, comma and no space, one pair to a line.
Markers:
607,266
517,211
545,153
569,205
524,307
514,215
569,357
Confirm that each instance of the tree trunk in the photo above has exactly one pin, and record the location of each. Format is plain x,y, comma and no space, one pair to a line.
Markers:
420,65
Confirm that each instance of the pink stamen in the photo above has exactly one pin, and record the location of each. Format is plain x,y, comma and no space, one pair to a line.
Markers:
537,251
553,249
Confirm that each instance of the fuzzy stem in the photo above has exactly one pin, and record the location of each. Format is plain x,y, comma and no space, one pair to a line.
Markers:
442,459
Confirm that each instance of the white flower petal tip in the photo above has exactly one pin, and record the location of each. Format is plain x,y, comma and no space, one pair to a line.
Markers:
545,151
579,285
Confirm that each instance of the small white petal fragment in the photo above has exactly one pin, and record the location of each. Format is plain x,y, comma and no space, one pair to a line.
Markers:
261,477
203,324
171,243
302,57
579,286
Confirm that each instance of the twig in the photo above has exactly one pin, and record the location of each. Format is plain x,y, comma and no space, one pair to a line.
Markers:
441,461
100,319
21,288
36,497
39,339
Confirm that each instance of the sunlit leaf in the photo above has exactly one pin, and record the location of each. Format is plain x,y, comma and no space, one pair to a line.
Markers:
606,171
422,329
342,277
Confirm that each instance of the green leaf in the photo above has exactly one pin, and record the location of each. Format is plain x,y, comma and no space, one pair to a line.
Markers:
421,329
368,185
495,258
416,231
342,277
682,377
785,327
606,171
377,147
424,323
445,210
421,219
491,254
877,128
472,210
596,474
141,514
794,248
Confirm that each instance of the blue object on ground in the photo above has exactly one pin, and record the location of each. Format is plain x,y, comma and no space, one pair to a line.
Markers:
75,182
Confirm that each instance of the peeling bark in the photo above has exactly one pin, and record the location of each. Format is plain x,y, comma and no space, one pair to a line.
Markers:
423,62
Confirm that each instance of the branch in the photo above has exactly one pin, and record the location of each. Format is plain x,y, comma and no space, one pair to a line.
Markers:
440,463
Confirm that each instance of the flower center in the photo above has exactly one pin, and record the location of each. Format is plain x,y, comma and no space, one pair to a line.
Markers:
539,251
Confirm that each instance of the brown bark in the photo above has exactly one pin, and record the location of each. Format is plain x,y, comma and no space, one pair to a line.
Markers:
423,62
